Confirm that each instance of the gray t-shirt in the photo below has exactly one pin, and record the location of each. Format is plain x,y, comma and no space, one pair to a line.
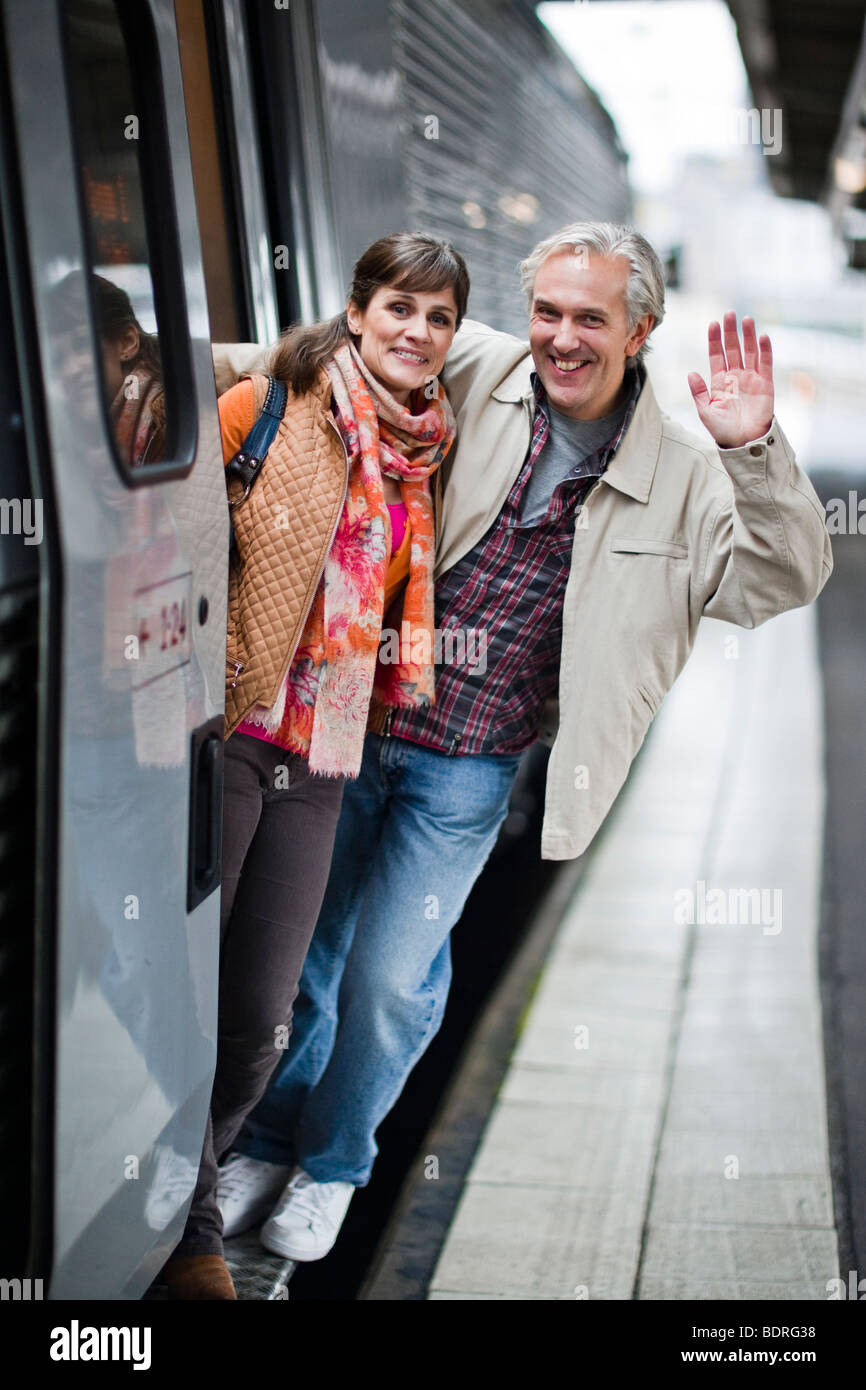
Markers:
568,443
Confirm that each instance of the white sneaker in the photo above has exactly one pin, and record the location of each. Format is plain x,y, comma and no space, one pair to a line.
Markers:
307,1220
174,1178
246,1191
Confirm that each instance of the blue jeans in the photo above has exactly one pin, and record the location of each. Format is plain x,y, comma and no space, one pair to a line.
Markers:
415,831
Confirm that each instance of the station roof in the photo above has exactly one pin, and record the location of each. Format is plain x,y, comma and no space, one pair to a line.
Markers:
806,60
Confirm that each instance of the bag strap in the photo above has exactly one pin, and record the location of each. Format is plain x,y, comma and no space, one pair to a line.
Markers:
247,462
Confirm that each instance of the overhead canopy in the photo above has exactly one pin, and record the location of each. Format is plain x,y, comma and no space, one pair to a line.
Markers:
807,60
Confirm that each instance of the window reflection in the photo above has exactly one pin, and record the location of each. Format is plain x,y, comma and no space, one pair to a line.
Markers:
107,134
132,371
129,358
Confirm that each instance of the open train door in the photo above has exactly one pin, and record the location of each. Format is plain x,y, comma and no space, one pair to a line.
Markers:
114,625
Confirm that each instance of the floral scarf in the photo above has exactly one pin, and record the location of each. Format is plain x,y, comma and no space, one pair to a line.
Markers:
138,418
323,706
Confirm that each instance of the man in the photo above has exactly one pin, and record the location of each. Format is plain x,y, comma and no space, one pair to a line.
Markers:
584,535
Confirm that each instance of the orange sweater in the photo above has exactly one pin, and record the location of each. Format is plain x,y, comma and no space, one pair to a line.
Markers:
237,417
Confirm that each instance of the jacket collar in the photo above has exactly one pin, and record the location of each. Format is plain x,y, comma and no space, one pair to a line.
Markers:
633,466
516,384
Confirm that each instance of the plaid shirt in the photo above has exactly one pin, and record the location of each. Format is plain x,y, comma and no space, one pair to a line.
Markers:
509,586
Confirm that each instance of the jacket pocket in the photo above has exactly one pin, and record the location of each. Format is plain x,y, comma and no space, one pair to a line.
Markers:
640,545
647,697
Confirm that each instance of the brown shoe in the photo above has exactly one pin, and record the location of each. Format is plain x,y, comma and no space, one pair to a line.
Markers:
199,1276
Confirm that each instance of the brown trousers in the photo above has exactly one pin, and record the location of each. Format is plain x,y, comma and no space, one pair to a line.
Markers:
279,823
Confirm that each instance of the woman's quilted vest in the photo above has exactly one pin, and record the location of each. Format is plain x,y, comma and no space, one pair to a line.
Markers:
283,532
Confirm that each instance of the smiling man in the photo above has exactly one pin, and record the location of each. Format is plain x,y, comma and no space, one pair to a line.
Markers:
580,331
586,534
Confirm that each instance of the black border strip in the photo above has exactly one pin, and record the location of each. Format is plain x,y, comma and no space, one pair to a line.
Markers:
51,584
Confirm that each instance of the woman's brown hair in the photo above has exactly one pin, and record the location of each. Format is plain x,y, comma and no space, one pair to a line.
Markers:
116,314
402,261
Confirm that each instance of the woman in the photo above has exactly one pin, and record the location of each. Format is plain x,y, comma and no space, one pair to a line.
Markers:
132,367
339,523
131,364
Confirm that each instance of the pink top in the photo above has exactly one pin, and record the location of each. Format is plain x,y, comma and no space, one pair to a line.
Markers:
399,516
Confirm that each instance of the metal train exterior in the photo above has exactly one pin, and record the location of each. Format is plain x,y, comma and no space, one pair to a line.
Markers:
223,164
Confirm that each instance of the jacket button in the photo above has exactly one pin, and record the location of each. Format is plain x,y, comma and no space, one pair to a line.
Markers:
771,440
756,451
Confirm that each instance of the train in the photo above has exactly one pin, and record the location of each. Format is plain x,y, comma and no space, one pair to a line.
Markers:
217,165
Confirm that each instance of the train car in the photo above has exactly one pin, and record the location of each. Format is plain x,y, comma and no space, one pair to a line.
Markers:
173,174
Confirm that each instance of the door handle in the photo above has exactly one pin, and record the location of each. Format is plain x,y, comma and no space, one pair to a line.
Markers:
205,811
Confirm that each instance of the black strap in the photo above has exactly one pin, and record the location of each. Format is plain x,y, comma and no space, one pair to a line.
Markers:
247,462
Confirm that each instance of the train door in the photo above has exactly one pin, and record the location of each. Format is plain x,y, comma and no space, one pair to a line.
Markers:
116,595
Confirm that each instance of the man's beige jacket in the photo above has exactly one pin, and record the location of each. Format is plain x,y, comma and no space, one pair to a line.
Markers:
668,534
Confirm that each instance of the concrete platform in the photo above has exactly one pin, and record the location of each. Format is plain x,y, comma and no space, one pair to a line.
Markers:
661,1133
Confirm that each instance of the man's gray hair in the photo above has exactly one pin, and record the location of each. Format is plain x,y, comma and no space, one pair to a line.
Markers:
645,288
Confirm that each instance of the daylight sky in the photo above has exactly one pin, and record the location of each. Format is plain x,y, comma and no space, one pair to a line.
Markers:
669,72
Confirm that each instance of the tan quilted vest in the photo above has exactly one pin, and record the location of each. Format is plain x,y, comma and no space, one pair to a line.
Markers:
283,531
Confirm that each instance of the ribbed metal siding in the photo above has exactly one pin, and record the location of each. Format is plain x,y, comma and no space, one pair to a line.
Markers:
515,121
361,113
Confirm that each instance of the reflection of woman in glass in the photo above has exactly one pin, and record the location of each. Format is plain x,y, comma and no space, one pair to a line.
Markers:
133,376
131,362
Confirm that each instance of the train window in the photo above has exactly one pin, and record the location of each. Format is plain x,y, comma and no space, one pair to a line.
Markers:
117,134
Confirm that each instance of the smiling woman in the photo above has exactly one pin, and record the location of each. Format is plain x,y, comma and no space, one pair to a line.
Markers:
408,297
403,337
403,285
364,426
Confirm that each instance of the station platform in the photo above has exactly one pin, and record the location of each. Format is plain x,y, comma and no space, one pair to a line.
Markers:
661,1132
